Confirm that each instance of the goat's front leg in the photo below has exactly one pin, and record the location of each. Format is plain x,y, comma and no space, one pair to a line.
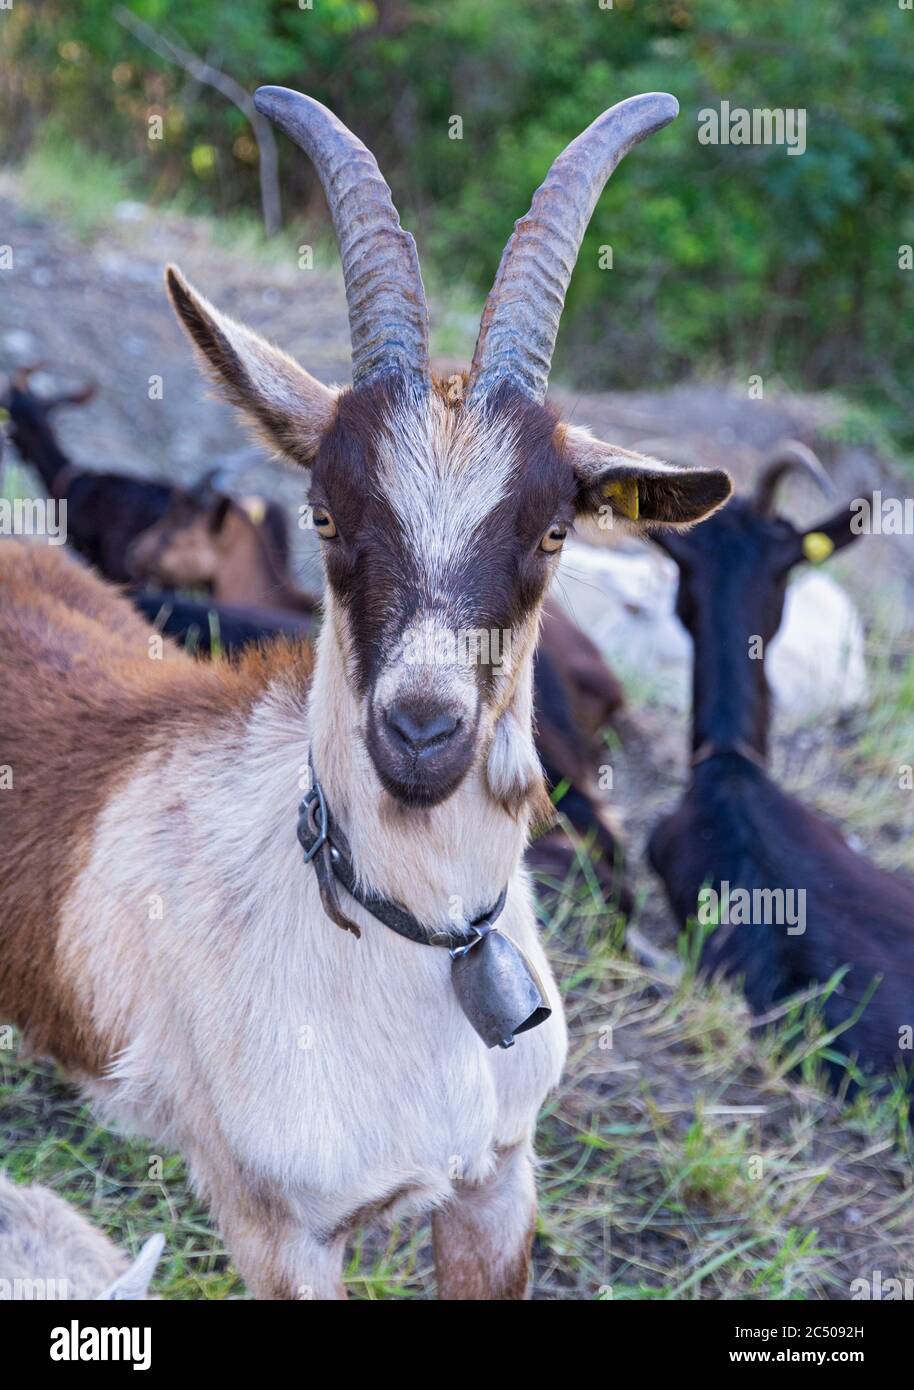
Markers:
274,1251
482,1238
287,1262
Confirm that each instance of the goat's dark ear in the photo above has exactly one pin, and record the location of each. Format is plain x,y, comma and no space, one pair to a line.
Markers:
218,514
276,526
290,409
839,530
616,482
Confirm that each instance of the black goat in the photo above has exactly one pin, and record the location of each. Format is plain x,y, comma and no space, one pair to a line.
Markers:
736,827
204,626
105,511
108,512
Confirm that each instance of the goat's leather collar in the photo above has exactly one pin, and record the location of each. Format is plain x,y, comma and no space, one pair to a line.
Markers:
327,850
739,746
498,989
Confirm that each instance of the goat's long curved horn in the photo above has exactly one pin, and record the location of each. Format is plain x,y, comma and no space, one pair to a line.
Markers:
21,376
81,396
388,316
789,457
19,381
520,322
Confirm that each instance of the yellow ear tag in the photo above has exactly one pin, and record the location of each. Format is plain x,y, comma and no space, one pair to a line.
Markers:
255,507
4,414
817,547
624,493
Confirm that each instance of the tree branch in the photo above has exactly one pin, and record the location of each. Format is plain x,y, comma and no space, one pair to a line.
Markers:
233,91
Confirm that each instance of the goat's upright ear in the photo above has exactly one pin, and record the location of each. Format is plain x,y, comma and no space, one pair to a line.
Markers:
290,409
616,482
845,526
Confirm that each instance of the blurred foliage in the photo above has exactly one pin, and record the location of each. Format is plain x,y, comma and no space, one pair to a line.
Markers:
741,257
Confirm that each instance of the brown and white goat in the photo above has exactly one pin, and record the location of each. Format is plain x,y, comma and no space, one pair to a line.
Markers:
158,930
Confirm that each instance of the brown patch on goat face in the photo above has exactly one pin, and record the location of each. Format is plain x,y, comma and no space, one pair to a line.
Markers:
437,507
71,739
530,798
540,808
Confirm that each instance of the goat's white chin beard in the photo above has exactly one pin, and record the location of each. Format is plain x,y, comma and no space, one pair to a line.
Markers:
513,772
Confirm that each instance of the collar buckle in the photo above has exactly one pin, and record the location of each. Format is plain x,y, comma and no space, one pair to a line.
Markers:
457,951
313,821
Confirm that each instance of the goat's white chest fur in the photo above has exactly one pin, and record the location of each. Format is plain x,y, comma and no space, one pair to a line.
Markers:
339,1069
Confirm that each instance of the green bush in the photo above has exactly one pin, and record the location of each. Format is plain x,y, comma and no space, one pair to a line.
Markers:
723,256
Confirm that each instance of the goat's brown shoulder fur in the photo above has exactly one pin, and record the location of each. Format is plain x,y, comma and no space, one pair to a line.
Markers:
82,699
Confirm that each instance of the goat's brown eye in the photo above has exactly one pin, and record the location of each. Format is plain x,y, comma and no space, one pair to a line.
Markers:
324,524
554,539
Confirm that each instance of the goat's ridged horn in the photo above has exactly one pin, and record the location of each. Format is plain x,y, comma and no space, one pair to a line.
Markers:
388,316
520,322
789,457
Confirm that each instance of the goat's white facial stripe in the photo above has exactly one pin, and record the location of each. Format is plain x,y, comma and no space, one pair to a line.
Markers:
452,684
443,472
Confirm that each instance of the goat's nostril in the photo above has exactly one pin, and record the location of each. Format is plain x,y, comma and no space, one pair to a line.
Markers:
420,730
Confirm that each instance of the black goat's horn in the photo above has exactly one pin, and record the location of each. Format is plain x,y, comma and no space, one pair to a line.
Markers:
520,322
21,376
80,396
388,315
788,457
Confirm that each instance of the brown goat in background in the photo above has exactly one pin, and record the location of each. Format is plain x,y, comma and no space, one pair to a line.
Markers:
237,551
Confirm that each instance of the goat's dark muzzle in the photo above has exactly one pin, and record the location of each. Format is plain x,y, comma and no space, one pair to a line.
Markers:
421,751
422,732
